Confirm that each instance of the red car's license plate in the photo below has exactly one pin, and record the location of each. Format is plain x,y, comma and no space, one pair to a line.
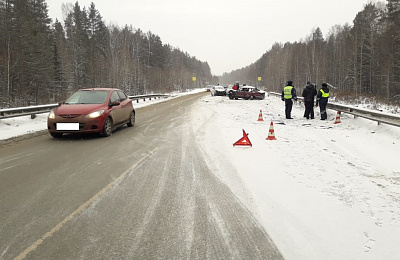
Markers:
67,126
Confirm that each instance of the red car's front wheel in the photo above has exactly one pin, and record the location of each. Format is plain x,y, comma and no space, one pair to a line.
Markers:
131,119
107,128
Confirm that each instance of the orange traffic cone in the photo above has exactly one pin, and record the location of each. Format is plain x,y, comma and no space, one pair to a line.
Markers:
337,121
271,133
260,117
244,141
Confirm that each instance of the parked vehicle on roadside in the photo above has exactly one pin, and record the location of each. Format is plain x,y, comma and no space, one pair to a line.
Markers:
247,92
218,91
229,89
95,110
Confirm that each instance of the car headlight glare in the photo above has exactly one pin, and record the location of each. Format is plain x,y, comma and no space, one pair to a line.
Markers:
95,114
52,115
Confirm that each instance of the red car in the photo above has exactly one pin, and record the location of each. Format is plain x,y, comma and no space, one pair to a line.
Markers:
247,92
95,110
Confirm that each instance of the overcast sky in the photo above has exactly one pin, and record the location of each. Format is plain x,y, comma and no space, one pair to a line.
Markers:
228,34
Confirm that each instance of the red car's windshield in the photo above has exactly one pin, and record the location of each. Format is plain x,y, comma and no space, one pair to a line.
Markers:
88,97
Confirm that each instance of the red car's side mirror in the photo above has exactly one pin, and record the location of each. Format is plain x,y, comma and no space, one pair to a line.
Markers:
115,103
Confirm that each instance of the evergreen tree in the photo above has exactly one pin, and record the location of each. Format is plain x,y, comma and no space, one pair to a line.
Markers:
98,37
364,34
77,34
59,60
29,50
393,44
39,51
5,53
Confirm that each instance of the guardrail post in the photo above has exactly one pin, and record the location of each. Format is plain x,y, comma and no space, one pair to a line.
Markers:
351,110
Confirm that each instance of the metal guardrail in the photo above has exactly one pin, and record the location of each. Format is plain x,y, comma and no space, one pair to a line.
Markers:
357,112
34,110
144,97
377,116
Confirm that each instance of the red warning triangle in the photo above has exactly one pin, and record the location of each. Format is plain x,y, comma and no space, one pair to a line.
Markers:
244,141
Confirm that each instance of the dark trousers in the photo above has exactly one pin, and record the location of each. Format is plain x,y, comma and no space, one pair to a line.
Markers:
288,107
322,109
309,109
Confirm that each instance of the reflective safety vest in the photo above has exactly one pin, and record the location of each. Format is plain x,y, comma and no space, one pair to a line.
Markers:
324,94
287,92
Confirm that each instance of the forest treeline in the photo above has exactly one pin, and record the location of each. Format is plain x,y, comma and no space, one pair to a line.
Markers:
44,61
360,59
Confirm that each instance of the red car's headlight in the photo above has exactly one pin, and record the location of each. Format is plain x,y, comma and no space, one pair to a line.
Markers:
95,114
52,115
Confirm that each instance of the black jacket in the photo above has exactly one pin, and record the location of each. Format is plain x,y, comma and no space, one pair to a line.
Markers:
309,92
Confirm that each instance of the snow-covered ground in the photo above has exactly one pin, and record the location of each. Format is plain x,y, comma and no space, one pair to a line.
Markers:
321,190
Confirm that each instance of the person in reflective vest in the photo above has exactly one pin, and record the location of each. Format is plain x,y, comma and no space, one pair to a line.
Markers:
322,100
289,93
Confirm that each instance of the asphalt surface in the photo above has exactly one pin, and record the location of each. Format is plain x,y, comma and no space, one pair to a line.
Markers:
143,193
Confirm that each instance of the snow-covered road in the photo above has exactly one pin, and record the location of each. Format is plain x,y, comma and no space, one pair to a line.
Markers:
321,190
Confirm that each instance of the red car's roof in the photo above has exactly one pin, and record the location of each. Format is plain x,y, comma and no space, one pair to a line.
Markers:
106,89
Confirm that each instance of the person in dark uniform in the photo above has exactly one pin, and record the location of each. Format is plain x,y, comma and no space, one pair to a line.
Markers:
322,100
309,93
289,93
